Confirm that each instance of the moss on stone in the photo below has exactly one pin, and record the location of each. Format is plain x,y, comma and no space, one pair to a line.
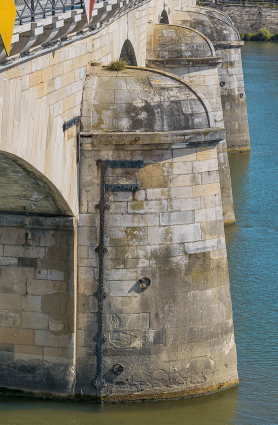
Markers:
119,65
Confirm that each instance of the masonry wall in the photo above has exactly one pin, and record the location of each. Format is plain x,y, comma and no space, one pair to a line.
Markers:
233,98
205,79
175,337
39,93
226,41
37,97
252,18
37,286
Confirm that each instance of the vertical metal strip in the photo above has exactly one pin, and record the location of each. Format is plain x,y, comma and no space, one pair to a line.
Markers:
101,293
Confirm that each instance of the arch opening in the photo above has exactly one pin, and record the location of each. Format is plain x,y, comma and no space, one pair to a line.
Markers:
164,17
24,190
128,54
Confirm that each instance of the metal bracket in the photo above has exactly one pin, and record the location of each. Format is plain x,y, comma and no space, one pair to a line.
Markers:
71,123
102,292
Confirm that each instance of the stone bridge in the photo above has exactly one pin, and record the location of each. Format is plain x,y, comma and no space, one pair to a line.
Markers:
115,188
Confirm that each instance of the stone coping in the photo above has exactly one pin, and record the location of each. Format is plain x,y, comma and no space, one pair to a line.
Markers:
37,222
135,140
228,44
211,61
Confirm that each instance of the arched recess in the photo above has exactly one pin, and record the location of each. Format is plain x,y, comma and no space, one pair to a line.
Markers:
128,54
164,18
24,190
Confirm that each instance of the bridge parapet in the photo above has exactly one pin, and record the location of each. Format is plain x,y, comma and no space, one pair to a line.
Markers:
29,10
45,23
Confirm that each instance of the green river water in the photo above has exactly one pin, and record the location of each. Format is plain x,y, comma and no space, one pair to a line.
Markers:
252,250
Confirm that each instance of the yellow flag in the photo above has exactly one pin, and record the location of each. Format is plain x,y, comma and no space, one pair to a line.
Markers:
7,20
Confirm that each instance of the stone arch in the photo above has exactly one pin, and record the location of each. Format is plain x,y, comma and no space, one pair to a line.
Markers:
25,190
164,17
128,54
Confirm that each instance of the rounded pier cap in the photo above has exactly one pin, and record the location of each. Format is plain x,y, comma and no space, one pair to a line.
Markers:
139,99
212,24
173,41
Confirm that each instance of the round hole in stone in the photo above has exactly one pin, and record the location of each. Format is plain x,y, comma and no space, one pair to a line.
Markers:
118,368
222,84
144,282
241,95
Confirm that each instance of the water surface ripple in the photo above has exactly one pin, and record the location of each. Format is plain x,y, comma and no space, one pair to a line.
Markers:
253,268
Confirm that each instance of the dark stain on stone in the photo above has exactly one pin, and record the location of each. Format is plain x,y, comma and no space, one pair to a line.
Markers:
27,262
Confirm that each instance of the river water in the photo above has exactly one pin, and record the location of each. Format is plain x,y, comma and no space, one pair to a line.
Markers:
252,250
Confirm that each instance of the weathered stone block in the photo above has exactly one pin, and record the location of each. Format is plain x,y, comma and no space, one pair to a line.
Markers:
208,214
204,246
122,288
213,201
212,229
31,303
11,302
12,236
174,234
135,263
87,321
186,180
182,167
141,207
27,352
123,252
10,319
131,321
50,275
17,336
169,193
34,320
87,236
46,338
40,287
82,252
206,153
206,190
133,220
8,261
21,251
186,154
210,177
119,274
173,218
205,165
27,262
184,204
56,355
153,337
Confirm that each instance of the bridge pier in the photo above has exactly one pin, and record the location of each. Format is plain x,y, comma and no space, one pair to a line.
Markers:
149,316
191,56
219,29
165,245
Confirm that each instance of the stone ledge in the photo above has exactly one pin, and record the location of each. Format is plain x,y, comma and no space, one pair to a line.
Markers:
173,139
228,44
37,222
211,61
